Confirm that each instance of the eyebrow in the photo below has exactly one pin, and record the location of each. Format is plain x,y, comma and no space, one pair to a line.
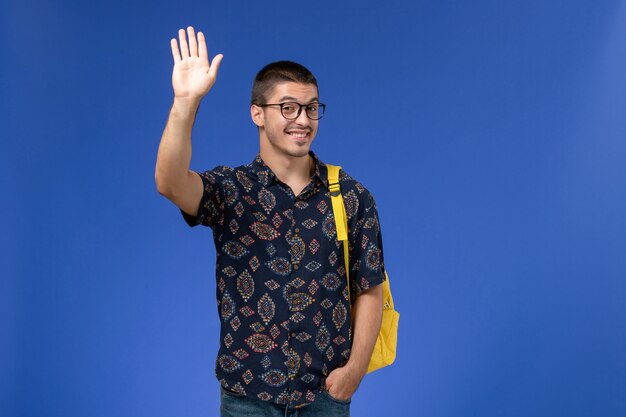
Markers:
294,99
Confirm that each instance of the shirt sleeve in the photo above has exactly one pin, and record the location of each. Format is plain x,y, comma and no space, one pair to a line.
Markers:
211,206
366,246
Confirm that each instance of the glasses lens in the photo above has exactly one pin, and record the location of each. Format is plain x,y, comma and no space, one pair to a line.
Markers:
290,110
315,110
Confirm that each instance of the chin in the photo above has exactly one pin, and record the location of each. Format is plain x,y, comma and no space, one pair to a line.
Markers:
297,150
299,153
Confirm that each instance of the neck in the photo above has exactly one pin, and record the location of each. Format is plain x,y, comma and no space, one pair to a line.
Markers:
288,168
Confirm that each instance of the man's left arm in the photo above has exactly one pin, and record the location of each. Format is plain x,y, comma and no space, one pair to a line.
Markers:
367,313
366,274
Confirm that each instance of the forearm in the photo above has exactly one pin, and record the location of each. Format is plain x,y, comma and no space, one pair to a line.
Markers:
174,155
367,318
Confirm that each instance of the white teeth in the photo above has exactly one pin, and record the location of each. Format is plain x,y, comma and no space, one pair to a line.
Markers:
298,135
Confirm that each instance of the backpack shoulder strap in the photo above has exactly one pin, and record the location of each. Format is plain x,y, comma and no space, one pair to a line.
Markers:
339,210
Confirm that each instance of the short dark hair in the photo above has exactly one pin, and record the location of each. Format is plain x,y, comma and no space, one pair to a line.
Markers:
277,72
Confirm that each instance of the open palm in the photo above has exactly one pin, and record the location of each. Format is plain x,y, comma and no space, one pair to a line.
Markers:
193,77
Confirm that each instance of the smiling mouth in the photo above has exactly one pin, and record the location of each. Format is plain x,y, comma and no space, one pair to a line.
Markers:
299,135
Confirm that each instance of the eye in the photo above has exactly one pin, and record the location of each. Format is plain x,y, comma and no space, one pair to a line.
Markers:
312,107
289,107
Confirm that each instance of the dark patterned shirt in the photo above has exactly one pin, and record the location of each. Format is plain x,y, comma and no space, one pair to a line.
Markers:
281,283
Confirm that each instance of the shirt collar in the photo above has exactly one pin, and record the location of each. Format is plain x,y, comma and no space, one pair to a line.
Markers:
266,175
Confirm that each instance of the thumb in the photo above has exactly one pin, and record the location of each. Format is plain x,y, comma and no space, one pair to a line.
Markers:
330,380
215,64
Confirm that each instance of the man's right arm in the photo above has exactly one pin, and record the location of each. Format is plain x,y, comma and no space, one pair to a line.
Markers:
192,78
174,179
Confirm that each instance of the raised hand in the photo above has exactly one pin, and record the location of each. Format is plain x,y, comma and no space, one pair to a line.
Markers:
193,77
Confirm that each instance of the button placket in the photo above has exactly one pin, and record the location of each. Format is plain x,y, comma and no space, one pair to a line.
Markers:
293,325
295,264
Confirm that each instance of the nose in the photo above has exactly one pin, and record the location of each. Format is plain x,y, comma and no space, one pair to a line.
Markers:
302,118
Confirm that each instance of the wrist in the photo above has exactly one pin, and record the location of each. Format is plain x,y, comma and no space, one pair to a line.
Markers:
186,106
356,369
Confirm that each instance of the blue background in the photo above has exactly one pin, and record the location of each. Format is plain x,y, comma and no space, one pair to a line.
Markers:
491,133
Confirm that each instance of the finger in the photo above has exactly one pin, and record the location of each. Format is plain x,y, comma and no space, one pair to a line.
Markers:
175,52
202,51
215,64
184,50
193,46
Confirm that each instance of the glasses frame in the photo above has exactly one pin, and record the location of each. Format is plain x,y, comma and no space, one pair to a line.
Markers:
320,105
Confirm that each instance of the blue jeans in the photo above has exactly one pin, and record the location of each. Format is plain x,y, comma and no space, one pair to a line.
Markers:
237,405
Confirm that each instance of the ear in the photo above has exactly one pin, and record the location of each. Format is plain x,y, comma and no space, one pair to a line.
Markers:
256,113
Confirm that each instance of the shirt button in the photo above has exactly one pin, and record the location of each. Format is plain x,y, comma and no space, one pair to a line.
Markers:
297,230
295,266
293,334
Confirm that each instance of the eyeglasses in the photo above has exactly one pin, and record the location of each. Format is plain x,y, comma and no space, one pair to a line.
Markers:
291,110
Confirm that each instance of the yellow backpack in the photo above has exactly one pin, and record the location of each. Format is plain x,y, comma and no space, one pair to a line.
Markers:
385,349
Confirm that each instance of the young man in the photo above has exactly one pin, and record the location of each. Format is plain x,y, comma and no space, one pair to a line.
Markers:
290,337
